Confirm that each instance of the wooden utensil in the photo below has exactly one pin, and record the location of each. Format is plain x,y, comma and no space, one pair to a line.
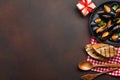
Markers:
85,65
92,76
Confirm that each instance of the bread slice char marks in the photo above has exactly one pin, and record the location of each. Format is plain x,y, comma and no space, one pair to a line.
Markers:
113,50
101,51
105,50
93,54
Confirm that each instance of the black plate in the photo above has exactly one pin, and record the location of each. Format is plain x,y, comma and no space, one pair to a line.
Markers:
94,16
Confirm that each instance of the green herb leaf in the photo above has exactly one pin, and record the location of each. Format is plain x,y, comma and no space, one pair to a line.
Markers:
102,23
116,19
119,34
115,7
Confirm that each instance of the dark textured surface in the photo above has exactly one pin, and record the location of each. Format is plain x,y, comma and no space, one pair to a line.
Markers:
43,40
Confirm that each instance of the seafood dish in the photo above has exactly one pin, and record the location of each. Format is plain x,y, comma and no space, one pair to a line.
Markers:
105,23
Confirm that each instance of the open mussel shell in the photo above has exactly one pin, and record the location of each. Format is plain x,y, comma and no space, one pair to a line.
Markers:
107,8
118,22
105,35
101,29
114,37
109,23
97,20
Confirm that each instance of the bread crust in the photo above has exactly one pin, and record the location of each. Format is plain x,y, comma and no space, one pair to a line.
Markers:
101,51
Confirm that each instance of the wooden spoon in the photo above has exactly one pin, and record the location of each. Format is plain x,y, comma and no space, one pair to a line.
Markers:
85,65
92,76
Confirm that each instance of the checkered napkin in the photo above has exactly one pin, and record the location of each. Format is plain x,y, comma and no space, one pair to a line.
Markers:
115,60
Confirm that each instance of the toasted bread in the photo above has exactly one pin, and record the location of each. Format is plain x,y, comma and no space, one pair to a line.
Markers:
105,50
94,54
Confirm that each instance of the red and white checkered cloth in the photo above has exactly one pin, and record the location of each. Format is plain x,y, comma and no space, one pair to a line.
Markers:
115,60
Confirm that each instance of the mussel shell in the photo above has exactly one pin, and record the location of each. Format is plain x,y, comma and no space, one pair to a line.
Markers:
115,29
107,8
109,23
93,24
117,40
114,37
106,17
101,12
97,20
112,27
113,13
105,35
95,16
118,22
99,30
95,28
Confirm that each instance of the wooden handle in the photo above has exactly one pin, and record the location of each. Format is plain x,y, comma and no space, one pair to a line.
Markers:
107,65
107,71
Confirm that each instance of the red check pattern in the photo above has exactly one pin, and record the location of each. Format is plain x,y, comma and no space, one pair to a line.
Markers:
115,60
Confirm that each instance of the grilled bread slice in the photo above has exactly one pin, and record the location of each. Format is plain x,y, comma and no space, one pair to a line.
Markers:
105,50
90,51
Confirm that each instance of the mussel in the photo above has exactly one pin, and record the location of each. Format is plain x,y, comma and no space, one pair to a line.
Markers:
114,37
107,8
105,35
109,23
106,22
101,29
98,20
109,32
118,22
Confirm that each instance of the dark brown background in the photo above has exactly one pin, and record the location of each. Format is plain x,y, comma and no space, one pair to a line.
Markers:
43,40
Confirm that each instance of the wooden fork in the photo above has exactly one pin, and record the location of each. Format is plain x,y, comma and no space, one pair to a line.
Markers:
92,76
